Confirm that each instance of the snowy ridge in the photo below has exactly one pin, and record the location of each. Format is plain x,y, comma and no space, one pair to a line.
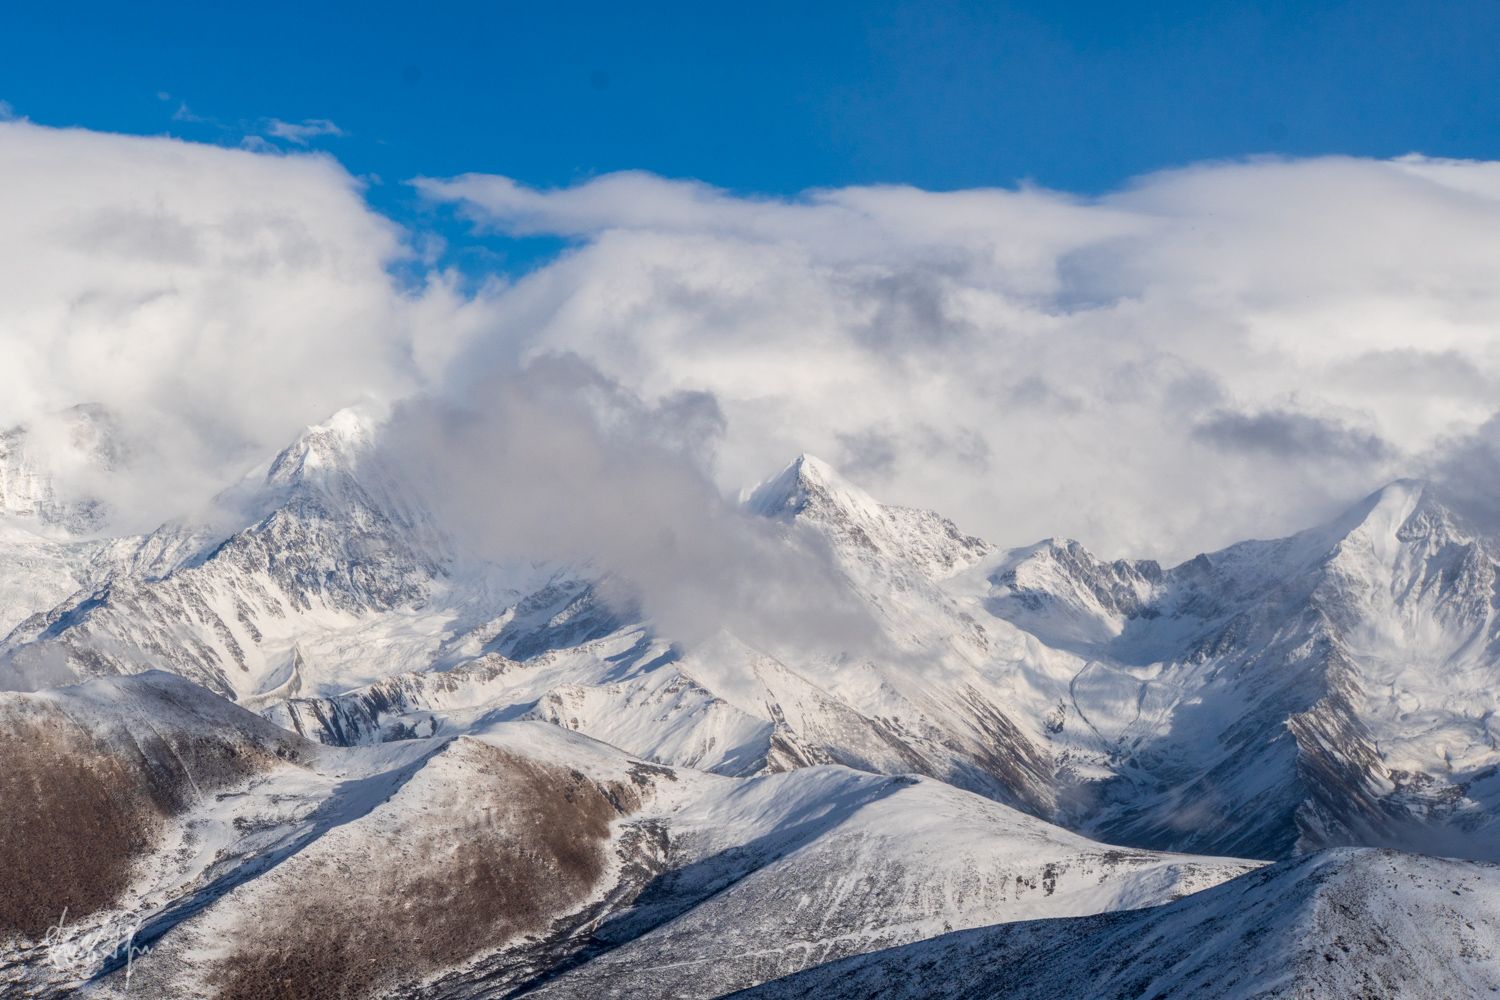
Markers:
1337,924
331,545
730,816
37,571
1274,682
839,871
810,489
1330,688
936,697
244,856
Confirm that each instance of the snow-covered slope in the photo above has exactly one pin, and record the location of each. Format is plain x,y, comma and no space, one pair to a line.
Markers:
1331,688
930,689
1334,687
94,777
335,572
41,571
250,862
716,814
47,551
1337,924
822,863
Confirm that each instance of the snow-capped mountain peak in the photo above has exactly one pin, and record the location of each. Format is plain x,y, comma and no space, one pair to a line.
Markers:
1266,700
1043,676
338,442
809,491
812,487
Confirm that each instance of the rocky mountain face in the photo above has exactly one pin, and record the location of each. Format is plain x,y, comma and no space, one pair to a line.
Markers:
1332,688
340,671
329,550
1341,923
232,858
1327,689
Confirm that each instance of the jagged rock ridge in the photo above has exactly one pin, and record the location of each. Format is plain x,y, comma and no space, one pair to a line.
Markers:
1276,697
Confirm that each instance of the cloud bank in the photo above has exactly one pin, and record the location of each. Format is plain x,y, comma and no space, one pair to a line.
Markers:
556,463
1225,351
211,301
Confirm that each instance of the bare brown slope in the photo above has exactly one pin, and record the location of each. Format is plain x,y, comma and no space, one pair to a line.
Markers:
87,782
482,847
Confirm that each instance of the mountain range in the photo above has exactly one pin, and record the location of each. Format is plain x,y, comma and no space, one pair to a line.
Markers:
314,745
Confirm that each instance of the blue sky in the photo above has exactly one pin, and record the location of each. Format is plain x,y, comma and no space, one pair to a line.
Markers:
771,98
776,97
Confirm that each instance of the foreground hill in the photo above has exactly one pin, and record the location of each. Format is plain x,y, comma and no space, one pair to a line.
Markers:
196,848
1341,923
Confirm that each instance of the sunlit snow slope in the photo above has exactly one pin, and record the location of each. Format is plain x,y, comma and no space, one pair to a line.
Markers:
253,863
1333,688
1338,924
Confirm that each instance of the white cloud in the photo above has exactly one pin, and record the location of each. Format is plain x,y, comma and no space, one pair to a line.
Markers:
185,114
555,462
311,128
1225,351
213,300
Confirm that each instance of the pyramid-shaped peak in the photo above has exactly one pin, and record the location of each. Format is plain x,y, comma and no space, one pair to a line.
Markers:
813,468
354,426
1402,491
336,443
1383,512
1409,509
809,485
1379,524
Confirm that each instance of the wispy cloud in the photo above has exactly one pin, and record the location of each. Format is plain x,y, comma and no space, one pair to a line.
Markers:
185,114
302,133
583,470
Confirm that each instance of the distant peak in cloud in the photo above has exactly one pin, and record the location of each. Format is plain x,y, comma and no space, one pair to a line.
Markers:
212,301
